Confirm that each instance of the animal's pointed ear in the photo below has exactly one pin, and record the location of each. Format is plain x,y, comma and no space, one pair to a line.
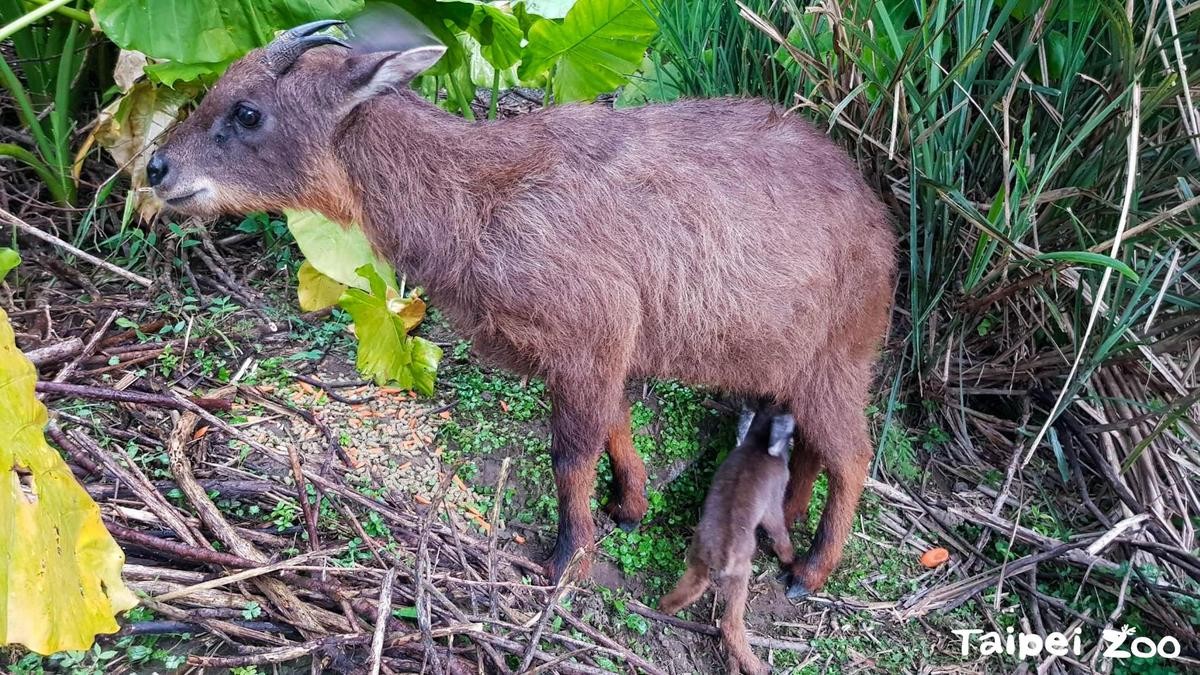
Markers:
375,73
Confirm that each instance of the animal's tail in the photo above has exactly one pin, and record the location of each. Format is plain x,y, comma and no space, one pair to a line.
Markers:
690,587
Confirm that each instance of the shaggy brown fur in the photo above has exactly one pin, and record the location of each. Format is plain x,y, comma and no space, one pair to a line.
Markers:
719,242
747,491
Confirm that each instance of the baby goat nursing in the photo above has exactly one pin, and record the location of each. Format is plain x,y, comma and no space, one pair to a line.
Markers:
719,242
747,491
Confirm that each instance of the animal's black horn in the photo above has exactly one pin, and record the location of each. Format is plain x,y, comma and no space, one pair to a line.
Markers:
309,28
290,44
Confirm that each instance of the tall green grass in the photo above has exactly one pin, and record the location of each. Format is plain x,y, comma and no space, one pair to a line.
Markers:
710,53
49,55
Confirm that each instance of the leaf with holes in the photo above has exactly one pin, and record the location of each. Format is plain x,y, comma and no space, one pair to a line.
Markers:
60,570
382,320
594,50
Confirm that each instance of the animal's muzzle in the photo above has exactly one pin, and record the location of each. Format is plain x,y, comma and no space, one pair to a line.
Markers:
156,169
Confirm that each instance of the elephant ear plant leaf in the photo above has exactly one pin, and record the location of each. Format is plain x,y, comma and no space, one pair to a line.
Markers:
335,251
208,32
382,320
60,570
341,269
593,50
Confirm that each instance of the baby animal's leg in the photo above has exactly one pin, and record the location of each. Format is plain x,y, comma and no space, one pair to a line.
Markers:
781,541
733,623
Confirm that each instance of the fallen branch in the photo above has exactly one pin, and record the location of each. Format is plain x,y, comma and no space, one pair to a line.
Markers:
330,389
51,239
173,627
137,397
381,620
705,629
302,616
277,654
87,350
177,550
52,354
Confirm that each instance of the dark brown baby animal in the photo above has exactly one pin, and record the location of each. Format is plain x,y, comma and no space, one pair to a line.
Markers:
747,491
718,242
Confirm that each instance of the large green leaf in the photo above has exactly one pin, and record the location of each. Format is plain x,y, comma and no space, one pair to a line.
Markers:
336,251
494,30
498,34
386,352
549,9
593,50
172,73
191,31
445,20
60,570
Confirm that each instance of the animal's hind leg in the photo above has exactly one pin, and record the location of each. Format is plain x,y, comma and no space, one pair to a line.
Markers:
691,586
627,502
733,624
804,465
781,541
837,434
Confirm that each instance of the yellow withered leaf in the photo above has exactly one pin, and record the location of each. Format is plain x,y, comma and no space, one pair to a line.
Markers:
60,570
315,290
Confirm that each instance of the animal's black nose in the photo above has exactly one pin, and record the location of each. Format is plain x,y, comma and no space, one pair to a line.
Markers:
156,169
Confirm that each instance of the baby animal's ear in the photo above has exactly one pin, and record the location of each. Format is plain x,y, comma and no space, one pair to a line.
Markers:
782,428
744,422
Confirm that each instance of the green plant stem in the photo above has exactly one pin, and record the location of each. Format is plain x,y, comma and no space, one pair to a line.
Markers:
77,15
28,19
60,116
495,94
460,99
48,176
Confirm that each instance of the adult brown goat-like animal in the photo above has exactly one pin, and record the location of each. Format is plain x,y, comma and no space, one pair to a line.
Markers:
719,242
747,491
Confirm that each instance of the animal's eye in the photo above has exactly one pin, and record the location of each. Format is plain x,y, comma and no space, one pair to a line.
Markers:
246,116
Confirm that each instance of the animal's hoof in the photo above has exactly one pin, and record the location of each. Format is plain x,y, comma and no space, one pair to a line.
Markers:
797,590
627,513
562,562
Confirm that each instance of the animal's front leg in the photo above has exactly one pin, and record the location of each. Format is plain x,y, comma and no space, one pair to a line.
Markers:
577,437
